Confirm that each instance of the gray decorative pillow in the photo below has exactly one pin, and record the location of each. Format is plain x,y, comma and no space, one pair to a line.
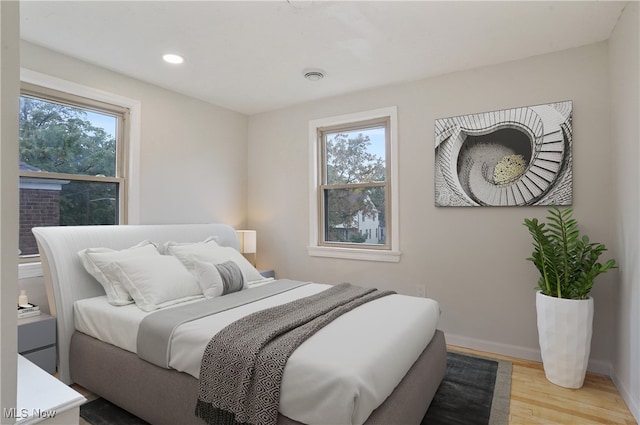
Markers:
218,279
232,277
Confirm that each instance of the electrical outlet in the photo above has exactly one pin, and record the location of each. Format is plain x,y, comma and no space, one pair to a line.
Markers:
421,290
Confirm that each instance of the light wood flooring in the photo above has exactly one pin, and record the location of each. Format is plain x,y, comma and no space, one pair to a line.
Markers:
535,401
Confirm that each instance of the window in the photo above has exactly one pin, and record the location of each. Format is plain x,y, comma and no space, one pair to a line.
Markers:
353,183
353,186
72,162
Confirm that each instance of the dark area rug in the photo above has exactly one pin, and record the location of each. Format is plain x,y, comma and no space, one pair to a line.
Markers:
101,412
475,391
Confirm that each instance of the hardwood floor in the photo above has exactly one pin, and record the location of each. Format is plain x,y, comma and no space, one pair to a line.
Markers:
534,400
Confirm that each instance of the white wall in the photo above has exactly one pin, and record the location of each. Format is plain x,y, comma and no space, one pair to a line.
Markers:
624,52
472,260
9,90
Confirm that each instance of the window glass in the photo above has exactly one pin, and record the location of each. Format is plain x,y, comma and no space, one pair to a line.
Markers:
355,156
355,215
65,139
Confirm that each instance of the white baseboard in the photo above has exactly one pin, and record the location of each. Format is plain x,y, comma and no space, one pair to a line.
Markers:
632,404
493,347
596,366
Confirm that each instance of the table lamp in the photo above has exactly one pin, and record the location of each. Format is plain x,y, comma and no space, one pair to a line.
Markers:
248,244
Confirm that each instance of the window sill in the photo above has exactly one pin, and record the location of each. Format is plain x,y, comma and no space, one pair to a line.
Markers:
30,270
354,254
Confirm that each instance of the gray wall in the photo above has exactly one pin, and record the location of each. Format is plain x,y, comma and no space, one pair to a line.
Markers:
472,260
624,52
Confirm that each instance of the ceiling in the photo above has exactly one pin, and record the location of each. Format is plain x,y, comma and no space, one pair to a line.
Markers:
250,56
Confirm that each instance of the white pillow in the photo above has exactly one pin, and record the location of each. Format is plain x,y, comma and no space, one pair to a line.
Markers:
211,240
96,260
156,282
216,280
216,254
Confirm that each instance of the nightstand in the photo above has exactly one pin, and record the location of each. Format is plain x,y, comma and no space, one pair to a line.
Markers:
268,273
43,399
37,340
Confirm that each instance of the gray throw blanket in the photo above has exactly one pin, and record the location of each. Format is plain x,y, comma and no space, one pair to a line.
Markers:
242,366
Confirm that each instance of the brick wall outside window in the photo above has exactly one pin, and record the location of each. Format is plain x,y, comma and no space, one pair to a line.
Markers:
37,208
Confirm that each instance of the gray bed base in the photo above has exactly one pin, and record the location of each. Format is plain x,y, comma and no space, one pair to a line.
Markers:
167,397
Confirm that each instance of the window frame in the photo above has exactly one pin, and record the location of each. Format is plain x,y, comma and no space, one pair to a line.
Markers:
317,163
324,186
122,118
128,157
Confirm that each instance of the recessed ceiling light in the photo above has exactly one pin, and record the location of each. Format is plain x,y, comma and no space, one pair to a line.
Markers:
313,74
171,58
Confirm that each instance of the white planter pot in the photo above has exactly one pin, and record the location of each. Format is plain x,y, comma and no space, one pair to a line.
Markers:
564,331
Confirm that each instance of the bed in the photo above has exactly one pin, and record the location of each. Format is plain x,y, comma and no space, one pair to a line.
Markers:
95,348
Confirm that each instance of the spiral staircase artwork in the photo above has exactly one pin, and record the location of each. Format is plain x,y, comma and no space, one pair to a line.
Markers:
512,157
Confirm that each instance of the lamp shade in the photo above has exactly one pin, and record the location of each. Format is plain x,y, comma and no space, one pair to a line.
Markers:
247,240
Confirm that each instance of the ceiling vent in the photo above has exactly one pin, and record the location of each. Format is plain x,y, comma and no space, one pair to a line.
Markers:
314,75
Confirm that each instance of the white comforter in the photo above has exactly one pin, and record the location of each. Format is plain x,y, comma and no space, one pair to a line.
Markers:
339,376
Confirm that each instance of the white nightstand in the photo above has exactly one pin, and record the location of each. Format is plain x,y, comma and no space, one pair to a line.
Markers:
37,340
42,398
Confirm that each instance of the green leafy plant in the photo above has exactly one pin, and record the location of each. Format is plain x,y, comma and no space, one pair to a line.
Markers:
567,262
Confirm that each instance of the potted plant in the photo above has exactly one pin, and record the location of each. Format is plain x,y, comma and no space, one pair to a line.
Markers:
568,265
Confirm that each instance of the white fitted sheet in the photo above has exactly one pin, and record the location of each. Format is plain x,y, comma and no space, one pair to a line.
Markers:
338,376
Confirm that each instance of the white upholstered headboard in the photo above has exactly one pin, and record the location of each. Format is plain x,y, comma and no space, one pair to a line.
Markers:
67,281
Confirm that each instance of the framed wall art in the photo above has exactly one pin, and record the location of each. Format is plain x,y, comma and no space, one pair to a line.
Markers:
512,157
